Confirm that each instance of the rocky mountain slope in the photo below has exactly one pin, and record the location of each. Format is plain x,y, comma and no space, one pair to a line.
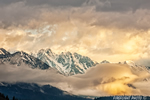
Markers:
67,63
21,58
32,91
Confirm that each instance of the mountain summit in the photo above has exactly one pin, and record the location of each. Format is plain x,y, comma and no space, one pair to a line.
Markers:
21,58
67,63
4,53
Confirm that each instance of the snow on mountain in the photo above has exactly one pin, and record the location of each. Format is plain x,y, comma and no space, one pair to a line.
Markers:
148,67
135,66
21,58
130,63
105,62
66,62
69,63
3,53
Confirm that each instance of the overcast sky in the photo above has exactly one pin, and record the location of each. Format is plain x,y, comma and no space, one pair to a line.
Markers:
115,30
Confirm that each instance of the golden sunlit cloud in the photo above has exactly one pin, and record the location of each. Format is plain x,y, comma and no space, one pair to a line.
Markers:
82,29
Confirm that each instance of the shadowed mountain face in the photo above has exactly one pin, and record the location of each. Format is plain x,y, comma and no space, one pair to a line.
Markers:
66,62
21,58
31,91
3,53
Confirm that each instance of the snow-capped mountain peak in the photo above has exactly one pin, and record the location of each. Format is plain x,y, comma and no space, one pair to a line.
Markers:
21,58
130,63
105,62
67,63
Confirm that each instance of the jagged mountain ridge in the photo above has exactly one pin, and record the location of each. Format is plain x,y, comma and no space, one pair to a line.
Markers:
67,63
136,67
4,53
105,62
21,58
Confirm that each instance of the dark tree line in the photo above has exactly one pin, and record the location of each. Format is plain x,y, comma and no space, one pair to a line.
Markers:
3,97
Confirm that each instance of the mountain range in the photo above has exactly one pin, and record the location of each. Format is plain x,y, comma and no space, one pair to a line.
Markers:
66,63
21,58
30,91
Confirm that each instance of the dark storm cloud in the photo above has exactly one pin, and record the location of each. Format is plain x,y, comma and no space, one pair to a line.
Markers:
46,2
18,12
56,2
101,5
6,2
122,5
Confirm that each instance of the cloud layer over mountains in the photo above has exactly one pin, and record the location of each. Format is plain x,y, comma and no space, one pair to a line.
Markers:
101,29
104,79
115,30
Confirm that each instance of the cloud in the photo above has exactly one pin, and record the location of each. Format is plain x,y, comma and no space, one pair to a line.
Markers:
102,5
118,5
46,2
104,79
23,12
93,28
143,62
114,30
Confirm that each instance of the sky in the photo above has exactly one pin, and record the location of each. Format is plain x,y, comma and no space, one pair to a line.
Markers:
113,30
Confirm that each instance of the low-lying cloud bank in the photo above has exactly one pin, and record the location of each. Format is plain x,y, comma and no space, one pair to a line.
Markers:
104,79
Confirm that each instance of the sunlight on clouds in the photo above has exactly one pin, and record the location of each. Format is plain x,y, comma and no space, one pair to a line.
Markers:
101,80
95,42
84,37
129,46
115,88
118,84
